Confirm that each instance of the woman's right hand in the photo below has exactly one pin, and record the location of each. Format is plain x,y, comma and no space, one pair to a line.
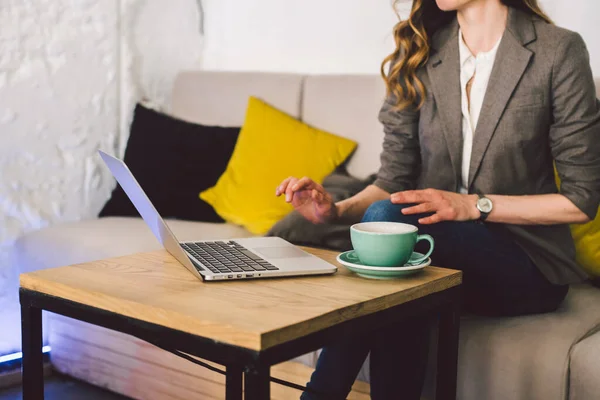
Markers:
309,198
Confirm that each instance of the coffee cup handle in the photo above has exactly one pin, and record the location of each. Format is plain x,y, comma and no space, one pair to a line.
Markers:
426,256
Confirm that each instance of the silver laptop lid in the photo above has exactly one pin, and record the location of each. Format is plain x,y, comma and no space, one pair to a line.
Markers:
142,203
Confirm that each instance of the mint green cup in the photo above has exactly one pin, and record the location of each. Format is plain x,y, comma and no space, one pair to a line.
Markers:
387,244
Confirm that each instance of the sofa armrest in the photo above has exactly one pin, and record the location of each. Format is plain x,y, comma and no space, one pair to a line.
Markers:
584,374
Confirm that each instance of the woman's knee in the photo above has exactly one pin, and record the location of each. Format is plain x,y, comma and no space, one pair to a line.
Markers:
384,210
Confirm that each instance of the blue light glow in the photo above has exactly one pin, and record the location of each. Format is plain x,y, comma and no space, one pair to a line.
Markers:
19,355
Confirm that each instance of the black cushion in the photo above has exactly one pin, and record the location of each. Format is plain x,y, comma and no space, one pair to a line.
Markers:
173,161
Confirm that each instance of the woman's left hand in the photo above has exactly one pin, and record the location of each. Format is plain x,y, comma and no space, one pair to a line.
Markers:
446,206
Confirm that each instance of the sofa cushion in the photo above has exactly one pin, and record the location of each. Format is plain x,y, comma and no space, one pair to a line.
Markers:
585,369
96,239
348,105
173,160
220,98
271,147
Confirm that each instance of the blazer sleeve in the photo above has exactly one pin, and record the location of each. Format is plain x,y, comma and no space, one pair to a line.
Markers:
401,156
575,130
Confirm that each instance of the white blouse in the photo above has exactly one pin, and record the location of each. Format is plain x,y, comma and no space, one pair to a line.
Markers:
480,67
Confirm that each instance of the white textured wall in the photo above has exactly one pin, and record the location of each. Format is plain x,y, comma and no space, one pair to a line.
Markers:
58,104
309,36
334,36
70,72
159,38
582,16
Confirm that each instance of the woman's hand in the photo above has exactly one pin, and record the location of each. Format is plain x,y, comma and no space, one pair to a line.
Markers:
309,199
445,206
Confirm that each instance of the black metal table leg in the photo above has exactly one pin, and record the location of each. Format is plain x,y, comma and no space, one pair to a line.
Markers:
233,383
257,383
447,363
31,340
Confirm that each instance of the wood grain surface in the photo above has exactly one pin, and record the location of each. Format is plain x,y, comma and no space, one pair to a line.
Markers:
259,314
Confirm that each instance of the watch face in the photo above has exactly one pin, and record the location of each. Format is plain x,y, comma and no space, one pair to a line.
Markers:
484,205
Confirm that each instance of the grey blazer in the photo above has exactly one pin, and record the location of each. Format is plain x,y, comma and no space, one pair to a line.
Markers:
540,108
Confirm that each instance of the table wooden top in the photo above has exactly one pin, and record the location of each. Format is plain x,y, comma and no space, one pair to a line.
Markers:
154,287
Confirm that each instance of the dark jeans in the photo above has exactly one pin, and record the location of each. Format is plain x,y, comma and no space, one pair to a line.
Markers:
499,279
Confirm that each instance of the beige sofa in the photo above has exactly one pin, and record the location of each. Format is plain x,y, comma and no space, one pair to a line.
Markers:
548,357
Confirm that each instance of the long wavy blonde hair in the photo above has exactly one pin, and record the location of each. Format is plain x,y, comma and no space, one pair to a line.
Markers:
412,37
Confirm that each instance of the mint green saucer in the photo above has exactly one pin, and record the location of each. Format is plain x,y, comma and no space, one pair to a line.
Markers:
351,261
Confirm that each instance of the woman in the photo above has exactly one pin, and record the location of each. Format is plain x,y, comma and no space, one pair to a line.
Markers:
485,97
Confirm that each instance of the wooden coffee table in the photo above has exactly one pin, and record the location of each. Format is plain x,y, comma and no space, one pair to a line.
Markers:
247,326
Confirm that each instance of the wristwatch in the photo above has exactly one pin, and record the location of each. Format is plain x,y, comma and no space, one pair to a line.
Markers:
485,207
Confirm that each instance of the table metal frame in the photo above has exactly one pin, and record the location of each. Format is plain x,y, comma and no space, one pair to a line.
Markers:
246,370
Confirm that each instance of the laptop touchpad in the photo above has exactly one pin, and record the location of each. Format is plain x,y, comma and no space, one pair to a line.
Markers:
281,252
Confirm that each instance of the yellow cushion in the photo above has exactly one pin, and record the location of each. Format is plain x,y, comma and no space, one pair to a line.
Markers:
587,243
271,147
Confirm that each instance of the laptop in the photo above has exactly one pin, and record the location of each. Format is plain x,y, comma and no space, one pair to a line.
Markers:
218,260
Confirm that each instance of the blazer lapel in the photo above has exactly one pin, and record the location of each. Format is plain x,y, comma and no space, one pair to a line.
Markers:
443,69
511,62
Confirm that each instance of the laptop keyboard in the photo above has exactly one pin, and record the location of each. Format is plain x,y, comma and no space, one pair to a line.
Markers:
230,257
